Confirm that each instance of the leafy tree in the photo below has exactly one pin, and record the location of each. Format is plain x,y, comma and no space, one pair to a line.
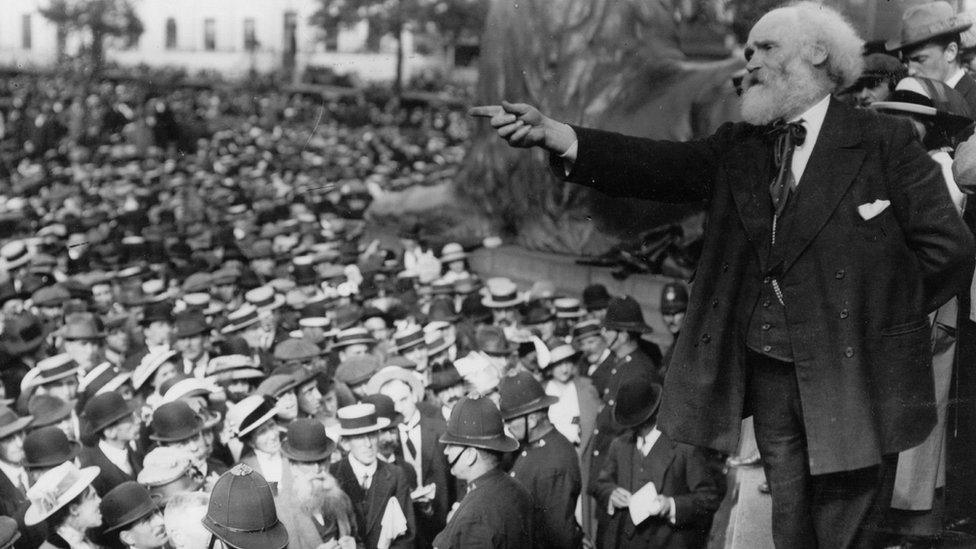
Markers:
452,18
99,19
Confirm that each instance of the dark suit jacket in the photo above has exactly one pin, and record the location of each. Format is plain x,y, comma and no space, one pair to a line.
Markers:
549,469
678,471
967,88
496,513
389,481
110,475
857,291
434,468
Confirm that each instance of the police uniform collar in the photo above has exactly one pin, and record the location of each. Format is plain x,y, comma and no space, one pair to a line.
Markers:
484,479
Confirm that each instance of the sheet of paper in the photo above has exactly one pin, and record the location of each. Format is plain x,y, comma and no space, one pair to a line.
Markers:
424,492
393,524
644,503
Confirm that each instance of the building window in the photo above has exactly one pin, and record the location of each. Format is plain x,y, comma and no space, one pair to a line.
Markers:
170,33
25,32
250,36
209,35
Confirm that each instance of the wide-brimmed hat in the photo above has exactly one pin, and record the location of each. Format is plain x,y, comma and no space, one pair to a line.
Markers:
452,251
357,370
250,413
360,419
242,511
624,314
502,294
476,422
353,336
150,362
125,504
568,307
390,373
521,395
408,338
478,371
307,442
14,254
105,409
244,316
11,423
491,340
55,489
587,328
878,67
48,447
924,22
181,386
674,298
163,465
48,410
264,298
561,353
82,326
928,99
174,421
637,400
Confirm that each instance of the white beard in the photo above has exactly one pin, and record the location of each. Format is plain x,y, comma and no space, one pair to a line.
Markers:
780,95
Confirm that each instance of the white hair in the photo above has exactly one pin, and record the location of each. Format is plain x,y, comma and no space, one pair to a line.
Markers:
182,520
826,27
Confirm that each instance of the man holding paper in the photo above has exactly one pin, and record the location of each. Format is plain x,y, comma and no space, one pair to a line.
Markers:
658,493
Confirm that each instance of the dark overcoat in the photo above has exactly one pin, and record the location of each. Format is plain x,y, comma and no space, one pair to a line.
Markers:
389,481
857,291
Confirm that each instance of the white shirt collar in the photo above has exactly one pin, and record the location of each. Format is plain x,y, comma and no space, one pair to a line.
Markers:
645,443
15,473
74,538
953,80
270,465
813,120
361,470
118,456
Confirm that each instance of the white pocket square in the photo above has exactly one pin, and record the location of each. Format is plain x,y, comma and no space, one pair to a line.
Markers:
872,209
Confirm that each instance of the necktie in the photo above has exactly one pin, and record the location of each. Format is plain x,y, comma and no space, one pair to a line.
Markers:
410,446
788,137
365,482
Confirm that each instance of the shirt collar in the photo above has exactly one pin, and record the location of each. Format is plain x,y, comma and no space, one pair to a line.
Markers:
13,472
361,470
72,536
412,422
115,455
953,80
813,119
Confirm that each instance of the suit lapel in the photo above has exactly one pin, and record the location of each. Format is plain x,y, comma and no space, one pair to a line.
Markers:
659,460
834,162
428,446
378,494
749,176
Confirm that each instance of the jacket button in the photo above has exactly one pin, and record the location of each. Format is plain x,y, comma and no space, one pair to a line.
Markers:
596,431
613,372
512,474
605,391
715,304
844,313
767,348
766,303
596,452
849,352
766,326
610,402
767,280
840,274
706,338
725,266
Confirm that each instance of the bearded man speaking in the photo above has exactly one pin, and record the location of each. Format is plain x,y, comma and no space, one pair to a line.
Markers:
830,238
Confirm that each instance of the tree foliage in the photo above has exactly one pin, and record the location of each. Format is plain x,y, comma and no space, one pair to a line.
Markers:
99,19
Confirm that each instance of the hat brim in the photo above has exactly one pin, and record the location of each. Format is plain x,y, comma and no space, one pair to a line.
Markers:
533,406
131,407
492,304
381,423
501,443
147,508
275,537
268,416
897,45
628,421
16,426
388,374
86,476
294,454
359,341
628,327
49,461
196,429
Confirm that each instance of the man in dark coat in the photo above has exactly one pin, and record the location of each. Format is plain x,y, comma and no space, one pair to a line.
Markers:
687,490
547,465
811,296
371,483
113,420
497,511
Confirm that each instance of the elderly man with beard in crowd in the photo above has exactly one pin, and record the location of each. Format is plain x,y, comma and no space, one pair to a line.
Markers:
819,267
314,510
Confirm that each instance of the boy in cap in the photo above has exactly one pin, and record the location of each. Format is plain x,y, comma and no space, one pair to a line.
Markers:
377,489
497,511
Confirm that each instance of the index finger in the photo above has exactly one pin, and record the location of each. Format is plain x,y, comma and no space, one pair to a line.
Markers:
486,111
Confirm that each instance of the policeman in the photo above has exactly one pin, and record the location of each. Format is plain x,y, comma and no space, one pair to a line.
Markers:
674,304
242,512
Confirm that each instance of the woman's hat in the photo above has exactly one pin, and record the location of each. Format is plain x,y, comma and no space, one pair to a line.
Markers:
48,447
521,395
452,251
924,22
476,422
353,336
390,373
11,423
443,376
105,409
929,99
408,338
624,314
163,465
55,489
125,504
636,402
561,353
244,316
242,511
250,413
307,442
359,419
149,364
502,294
174,421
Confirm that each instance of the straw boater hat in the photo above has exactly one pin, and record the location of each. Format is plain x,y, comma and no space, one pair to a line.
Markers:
55,489
924,22
14,254
452,251
568,307
244,316
390,373
232,367
360,419
51,369
353,336
587,328
264,298
502,294
408,338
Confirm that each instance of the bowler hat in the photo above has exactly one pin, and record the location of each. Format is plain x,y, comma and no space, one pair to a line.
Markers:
306,441
9,532
595,296
11,423
48,410
537,313
624,314
48,447
473,310
637,400
674,298
125,504
924,22
174,421
82,326
476,422
105,409
444,375
242,511
190,324
521,395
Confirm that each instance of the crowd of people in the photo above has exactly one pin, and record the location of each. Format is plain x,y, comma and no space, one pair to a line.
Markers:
205,344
